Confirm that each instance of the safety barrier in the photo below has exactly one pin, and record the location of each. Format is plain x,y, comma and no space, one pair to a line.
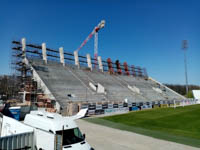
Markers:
135,108
156,106
164,105
114,108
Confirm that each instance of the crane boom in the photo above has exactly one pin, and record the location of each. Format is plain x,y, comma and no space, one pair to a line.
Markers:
94,32
86,40
95,47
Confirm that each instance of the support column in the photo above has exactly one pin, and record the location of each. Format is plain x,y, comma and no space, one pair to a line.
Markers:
23,48
62,59
76,59
89,61
44,52
23,71
100,63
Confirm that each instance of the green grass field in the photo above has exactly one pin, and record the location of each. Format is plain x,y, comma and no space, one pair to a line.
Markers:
181,125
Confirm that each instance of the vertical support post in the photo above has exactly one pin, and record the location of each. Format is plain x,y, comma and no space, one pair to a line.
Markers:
23,48
133,71
44,52
174,104
145,73
62,59
24,96
100,63
23,72
76,59
139,71
185,47
89,61
95,48
186,77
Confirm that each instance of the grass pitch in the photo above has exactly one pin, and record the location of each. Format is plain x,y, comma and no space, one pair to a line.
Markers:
181,124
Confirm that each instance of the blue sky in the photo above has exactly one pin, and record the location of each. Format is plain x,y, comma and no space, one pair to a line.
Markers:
145,33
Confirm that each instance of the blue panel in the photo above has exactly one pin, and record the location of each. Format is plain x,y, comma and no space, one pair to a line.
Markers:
15,113
135,108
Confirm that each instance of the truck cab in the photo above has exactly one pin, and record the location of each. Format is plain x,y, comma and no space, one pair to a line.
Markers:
53,131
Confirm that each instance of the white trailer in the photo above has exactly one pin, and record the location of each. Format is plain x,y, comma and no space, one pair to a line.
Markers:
51,130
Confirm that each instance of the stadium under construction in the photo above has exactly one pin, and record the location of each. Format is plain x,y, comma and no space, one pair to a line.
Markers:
66,82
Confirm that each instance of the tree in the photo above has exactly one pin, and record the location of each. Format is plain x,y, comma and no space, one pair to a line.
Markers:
181,89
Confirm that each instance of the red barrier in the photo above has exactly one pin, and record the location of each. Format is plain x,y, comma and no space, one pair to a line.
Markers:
119,70
110,68
126,68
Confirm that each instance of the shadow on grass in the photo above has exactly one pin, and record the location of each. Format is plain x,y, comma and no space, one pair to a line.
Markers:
151,133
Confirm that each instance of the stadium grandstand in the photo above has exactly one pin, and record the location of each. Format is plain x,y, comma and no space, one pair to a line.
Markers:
68,82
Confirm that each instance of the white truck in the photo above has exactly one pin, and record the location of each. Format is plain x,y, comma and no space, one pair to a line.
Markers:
51,130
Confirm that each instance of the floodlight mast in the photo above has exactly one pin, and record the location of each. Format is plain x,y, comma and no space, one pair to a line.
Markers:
94,32
184,47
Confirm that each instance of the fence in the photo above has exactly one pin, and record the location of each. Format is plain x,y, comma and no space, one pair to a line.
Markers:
35,51
113,108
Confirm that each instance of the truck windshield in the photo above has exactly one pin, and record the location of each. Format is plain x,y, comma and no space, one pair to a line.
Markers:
71,136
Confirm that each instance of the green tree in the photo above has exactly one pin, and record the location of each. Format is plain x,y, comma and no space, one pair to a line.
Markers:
190,95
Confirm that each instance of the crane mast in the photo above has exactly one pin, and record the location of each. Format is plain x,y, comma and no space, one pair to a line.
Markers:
95,33
95,47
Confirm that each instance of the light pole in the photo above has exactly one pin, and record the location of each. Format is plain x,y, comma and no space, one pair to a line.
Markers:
184,47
